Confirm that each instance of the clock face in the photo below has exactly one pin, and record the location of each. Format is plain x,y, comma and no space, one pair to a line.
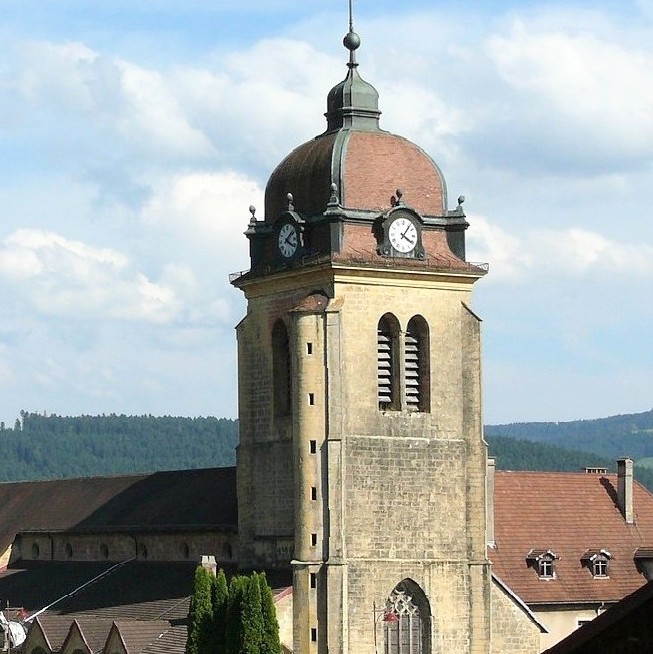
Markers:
288,240
402,235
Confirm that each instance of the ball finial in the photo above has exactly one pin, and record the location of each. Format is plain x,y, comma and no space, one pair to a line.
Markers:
351,41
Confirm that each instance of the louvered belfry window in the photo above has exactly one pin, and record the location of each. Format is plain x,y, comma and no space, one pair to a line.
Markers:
386,360
411,369
416,364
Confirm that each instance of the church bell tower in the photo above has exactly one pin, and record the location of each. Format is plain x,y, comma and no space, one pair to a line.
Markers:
361,463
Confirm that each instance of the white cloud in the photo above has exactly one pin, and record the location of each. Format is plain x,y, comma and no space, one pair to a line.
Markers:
580,97
63,277
570,251
505,252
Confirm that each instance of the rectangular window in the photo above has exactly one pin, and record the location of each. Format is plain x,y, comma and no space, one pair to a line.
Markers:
311,398
313,493
313,634
313,580
546,568
313,540
309,348
313,446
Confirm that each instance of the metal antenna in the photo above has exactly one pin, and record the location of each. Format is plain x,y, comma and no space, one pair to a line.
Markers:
351,16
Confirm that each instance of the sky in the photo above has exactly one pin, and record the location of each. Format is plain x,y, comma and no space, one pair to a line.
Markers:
135,135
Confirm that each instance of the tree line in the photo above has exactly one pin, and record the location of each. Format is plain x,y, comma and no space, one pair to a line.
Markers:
43,446
515,454
51,447
234,618
612,437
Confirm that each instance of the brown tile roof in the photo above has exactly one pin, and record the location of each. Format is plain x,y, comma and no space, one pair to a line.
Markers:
136,590
55,629
159,500
173,641
569,514
94,631
137,635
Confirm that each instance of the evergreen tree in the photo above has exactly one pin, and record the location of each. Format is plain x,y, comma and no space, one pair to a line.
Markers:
252,617
234,626
200,613
220,603
271,643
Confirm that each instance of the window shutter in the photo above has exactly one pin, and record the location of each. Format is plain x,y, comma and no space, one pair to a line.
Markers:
411,369
384,366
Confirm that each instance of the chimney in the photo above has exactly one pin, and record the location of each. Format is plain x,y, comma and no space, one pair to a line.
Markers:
489,502
208,563
625,488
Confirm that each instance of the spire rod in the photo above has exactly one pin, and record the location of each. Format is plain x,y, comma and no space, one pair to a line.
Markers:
352,40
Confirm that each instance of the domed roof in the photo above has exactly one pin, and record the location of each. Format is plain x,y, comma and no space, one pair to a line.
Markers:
366,163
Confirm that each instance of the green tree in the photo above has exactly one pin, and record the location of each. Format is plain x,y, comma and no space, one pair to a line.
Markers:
271,643
252,617
200,613
234,626
220,602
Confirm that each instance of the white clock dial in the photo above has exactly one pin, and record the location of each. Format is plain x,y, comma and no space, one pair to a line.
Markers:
288,240
403,235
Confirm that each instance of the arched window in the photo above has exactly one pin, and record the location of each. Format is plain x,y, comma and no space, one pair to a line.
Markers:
104,551
36,551
410,632
416,365
387,362
69,551
281,375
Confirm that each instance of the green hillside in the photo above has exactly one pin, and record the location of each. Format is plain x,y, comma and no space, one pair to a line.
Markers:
47,447
513,454
623,435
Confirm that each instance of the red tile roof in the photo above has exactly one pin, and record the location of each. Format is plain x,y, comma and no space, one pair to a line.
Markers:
569,514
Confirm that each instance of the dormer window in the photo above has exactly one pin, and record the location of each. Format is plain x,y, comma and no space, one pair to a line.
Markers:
597,562
543,562
546,567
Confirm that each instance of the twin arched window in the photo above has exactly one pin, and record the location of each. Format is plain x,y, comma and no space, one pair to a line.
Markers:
403,370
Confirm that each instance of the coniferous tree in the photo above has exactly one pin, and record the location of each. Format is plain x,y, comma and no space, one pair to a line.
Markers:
271,643
220,603
234,626
200,613
252,617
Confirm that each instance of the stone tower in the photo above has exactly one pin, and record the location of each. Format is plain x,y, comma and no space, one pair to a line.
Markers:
361,462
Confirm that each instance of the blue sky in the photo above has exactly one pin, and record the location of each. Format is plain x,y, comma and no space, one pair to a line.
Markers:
134,135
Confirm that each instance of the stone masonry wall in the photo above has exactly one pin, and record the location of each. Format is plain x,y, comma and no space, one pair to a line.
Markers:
512,631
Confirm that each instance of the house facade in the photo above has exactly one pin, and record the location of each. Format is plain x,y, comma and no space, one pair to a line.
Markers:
571,544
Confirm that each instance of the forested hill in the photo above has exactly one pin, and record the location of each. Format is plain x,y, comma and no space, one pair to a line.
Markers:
514,454
47,447
623,435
